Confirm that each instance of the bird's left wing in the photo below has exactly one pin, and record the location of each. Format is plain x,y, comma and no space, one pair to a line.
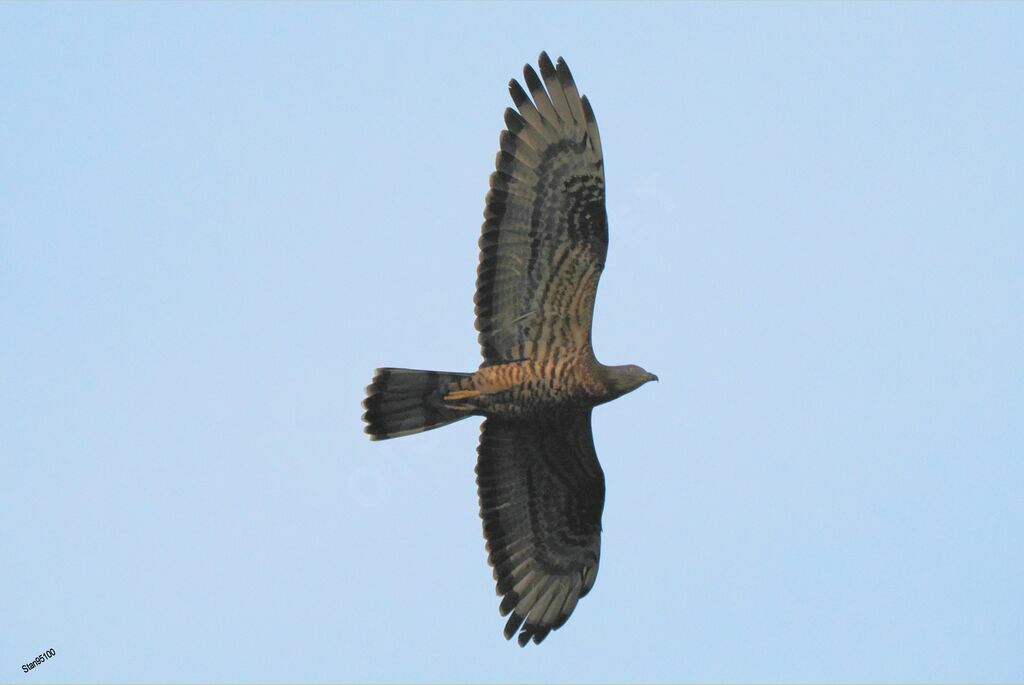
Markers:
541,495
545,233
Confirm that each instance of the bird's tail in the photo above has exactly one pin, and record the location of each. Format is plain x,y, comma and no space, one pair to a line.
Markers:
405,401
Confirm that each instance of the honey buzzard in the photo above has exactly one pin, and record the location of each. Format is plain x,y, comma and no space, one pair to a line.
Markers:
543,246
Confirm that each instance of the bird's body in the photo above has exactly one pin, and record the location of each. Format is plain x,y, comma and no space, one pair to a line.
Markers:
532,387
542,250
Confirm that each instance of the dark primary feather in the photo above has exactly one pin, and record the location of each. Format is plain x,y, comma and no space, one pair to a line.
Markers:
545,231
541,495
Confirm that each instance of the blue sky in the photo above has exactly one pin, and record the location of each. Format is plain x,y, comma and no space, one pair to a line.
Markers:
217,219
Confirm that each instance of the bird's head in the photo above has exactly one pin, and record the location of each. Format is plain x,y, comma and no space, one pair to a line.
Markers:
627,378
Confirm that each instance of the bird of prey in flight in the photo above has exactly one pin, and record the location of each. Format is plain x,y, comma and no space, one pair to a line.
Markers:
542,249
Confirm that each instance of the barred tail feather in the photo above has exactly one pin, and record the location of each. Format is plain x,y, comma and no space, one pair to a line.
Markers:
406,401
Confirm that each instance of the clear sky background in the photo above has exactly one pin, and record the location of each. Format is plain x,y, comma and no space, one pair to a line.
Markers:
218,219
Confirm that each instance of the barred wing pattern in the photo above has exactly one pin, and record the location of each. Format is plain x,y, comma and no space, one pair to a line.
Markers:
541,495
545,232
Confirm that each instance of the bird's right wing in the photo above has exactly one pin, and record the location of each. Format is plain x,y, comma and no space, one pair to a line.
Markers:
545,232
541,495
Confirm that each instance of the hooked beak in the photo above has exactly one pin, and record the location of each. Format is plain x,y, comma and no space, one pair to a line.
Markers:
651,377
